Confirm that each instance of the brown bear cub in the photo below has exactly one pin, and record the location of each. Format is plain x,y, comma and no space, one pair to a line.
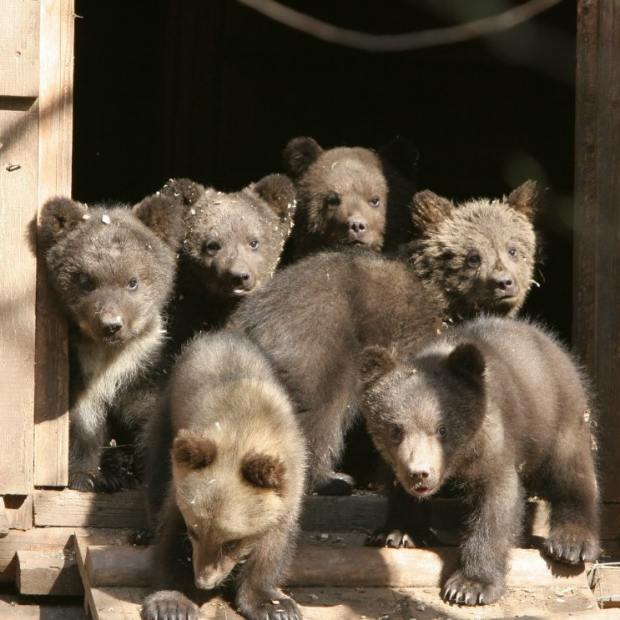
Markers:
315,317
231,247
342,197
226,470
490,268
499,406
113,270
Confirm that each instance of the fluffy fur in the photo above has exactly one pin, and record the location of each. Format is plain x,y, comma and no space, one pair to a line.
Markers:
499,406
481,253
232,244
233,485
342,197
314,318
113,270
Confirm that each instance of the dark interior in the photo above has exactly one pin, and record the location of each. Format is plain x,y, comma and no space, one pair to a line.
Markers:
212,90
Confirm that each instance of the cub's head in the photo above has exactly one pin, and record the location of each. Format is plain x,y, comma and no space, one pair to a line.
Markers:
423,416
342,193
112,268
233,241
481,253
228,501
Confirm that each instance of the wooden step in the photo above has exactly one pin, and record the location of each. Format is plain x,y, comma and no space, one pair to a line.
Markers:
334,578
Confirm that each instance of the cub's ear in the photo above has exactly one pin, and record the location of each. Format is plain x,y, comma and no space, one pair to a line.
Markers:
193,451
402,155
185,191
524,199
298,154
263,471
375,362
59,216
278,191
428,210
467,362
162,215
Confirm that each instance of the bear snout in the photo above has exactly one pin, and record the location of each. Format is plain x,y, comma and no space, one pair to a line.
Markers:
241,281
111,325
504,285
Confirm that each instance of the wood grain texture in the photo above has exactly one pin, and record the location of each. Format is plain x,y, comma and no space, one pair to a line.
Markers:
18,204
52,573
596,326
55,163
19,48
19,511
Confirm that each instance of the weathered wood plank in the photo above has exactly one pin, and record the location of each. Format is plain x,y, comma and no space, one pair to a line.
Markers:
53,540
49,573
19,511
596,317
322,566
382,603
22,608
18,204
75,509
4,519
19,48
55,162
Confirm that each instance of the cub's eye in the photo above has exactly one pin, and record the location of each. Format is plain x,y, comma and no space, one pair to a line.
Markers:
332,199
375,201
396,434
193,534
442,431
132,285
474,259
254,244
86,283
512,251
230,546
211,247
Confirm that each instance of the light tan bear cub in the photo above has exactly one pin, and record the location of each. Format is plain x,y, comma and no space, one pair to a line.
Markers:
226,471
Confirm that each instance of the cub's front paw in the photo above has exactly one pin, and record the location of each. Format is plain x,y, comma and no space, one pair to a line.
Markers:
338,484
571,544
464,591
83,481
281,608
169,605
408,539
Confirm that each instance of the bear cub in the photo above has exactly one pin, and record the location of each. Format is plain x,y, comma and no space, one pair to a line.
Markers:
342,197
231,246
113,270
315,317
226,463
500,406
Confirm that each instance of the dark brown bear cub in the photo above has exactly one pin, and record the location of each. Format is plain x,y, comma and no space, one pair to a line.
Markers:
231,246
226,469
500,406
342,197
113,270
315,317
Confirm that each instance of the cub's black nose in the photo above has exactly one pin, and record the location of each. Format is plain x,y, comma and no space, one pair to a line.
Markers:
357,226
504,284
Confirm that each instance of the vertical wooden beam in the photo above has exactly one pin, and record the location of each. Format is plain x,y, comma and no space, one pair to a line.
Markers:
596,315
19,36
55,153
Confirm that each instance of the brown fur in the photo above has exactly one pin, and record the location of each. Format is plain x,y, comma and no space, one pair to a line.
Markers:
193,451
480,253
499,406
239,508
315,317
113,275
264,471
231,246
342,197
